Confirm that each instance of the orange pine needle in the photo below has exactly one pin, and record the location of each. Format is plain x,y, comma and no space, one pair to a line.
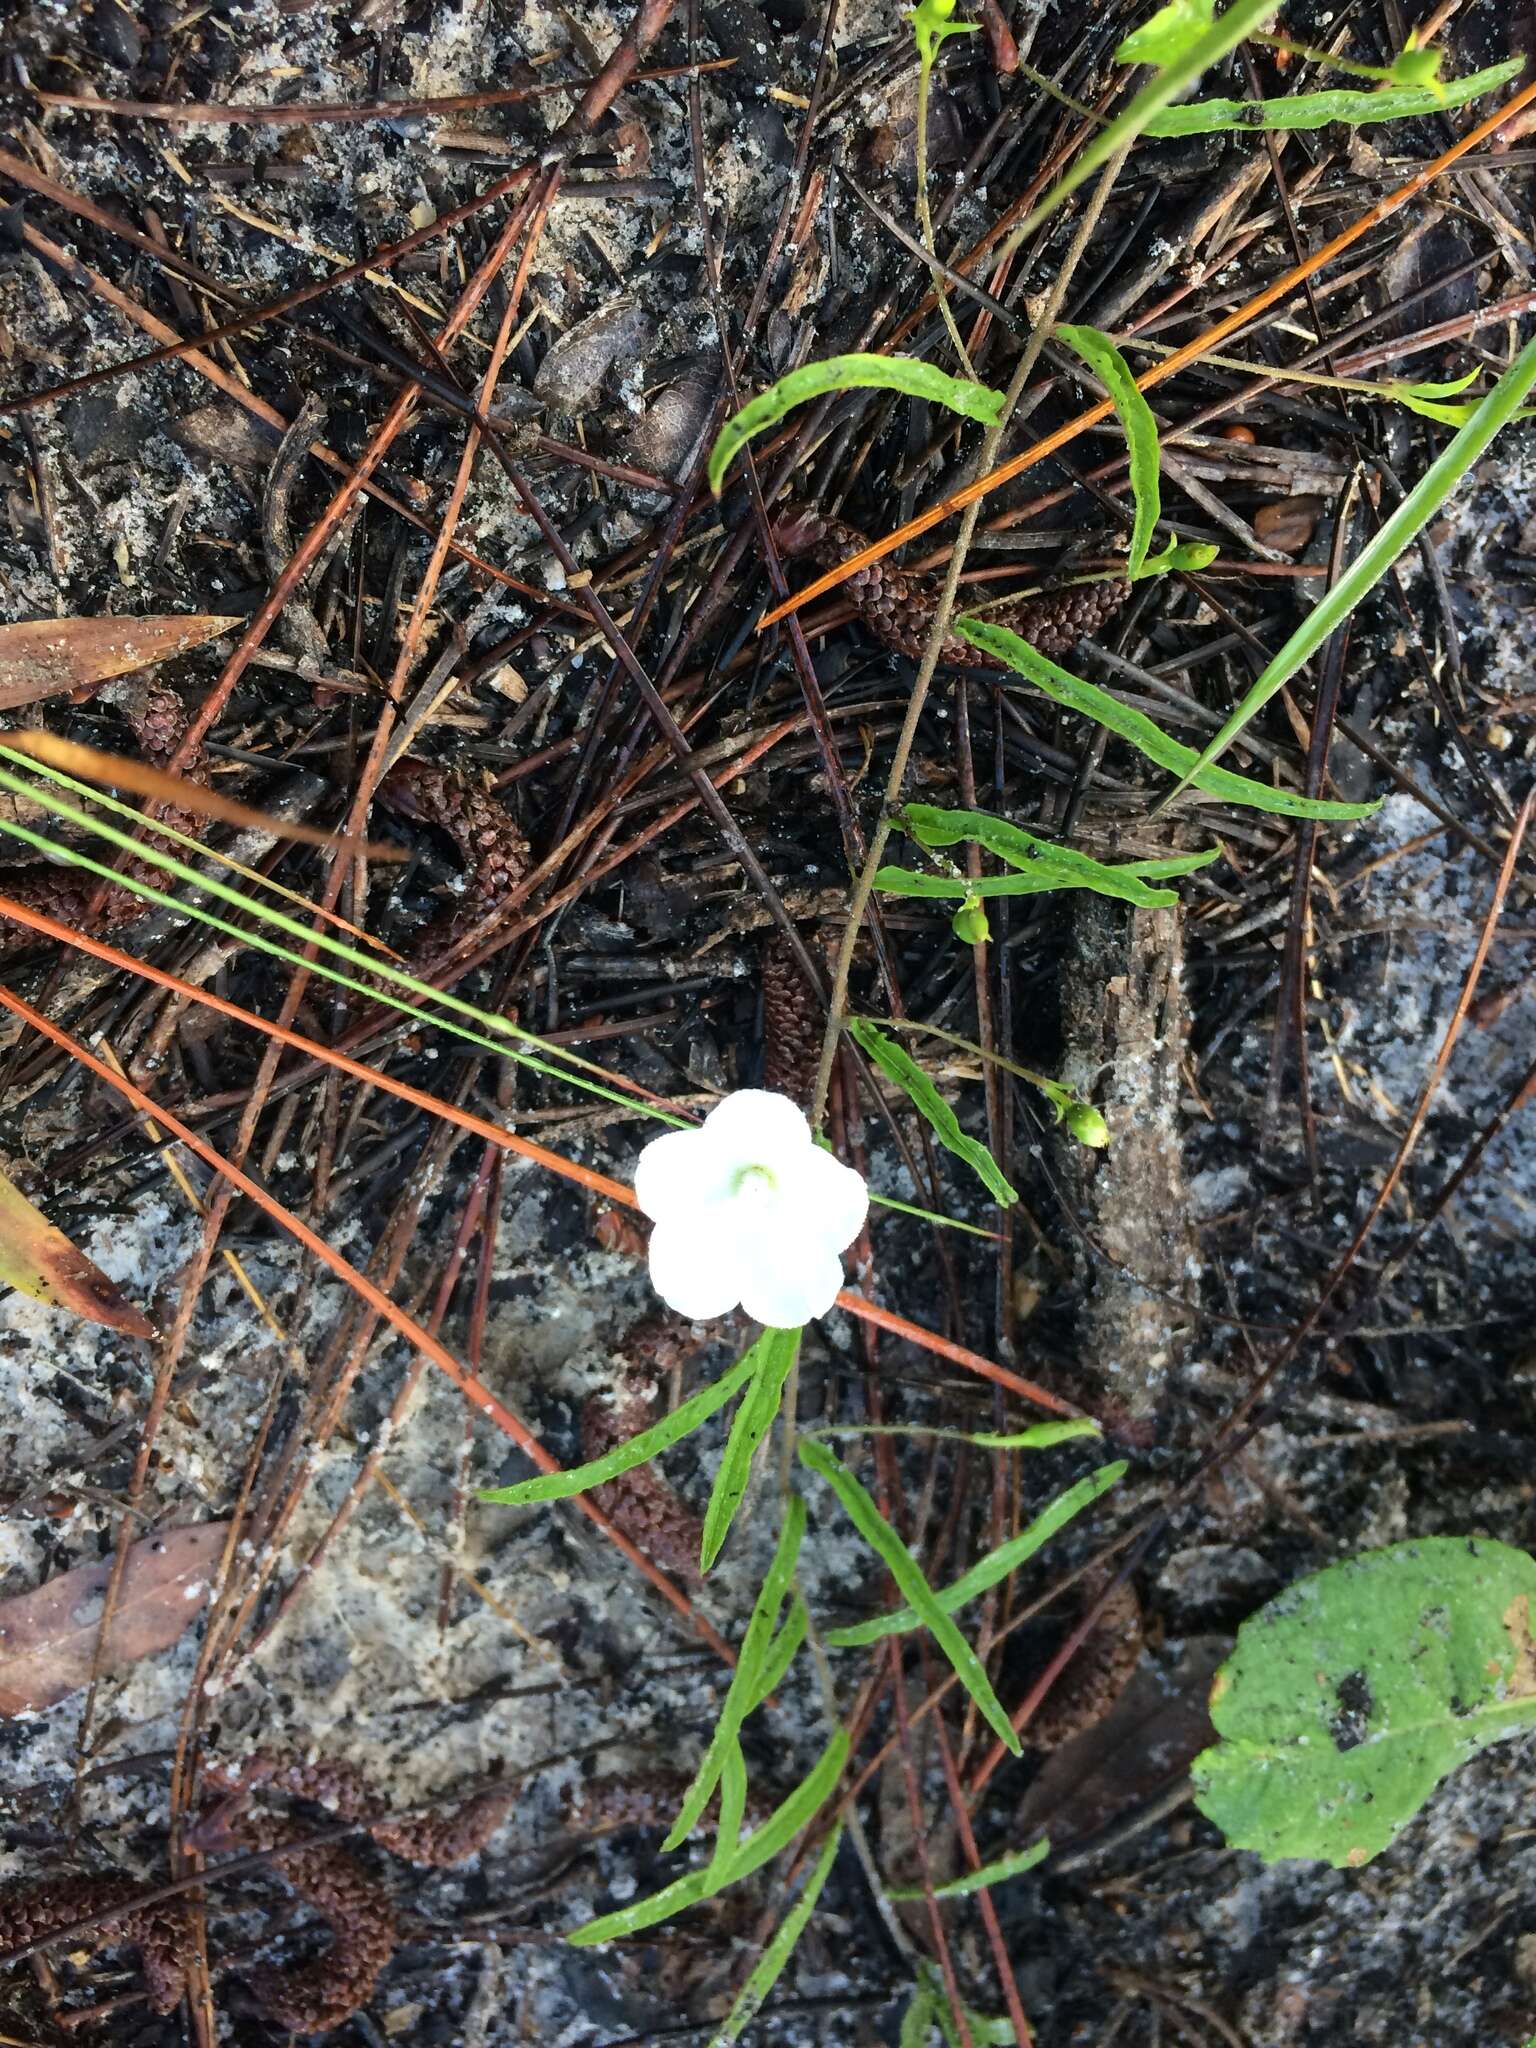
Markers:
1169,366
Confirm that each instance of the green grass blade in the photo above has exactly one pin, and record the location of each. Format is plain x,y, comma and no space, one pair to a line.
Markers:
637,1450
786,1646
905,1570
775,1352
1192,55
776,1833
849,373
1040,1436
733,1811
996,1565
1140,428
370,964
1147,738
1493,414
1316,109
757,1668
754,1993
932,826
978,1880
899,1066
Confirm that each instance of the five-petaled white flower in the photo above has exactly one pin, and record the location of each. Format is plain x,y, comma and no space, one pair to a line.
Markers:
748,1208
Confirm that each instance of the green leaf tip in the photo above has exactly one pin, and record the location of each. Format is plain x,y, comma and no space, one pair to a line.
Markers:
854,372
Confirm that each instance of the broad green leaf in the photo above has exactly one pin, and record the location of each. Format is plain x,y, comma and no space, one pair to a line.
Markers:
775,1353
760,1847
849,373
1143,734
905,1570
1352,1694
1140,429
900,1067
1184,64
1492,415
989,1874
754,1992
1317,109
1170,32
638,1450
995,1566
751,1682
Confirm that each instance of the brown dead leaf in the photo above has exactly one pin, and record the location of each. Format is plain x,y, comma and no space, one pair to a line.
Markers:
1288,524
41,1261
48,1637
40,657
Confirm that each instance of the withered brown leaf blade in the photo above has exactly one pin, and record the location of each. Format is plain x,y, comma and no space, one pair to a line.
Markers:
48,1636
40,657
41,1261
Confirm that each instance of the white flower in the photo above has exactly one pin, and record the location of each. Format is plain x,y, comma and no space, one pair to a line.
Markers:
749,1209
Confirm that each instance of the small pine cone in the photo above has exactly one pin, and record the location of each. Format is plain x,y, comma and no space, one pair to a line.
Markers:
792,1025
639,1503
1096,1676
156,715
161,1933
442,1839
899,609
494,852
321,1994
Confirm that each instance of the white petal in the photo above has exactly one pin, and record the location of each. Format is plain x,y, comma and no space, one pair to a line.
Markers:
786,1279
695,1266
760,1128
830,1199
676,1173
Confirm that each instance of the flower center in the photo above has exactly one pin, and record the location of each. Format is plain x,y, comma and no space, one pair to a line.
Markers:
756,1185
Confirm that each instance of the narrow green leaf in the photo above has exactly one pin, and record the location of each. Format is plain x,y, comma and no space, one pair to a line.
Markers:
1045,881
1174,77
899,1066
786,1645
752,1680
1171,31
760,1847
1317,109
1492,415
921,2015
1140,429
733,1808
905,1570
775,1352
849,373
1147,738
754,1992
989,1874
1040,1436
995,1566
638,1450
933,827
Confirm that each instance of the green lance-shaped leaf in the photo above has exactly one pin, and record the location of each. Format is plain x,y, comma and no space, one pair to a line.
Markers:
764,1843
899,1066
752,1680
934,827
637,1450
1352,1694
775,1353
1171,31
754,1993
1317,109
905,1570
1149,739
1492,415
1047,880
979,1880
849,373
1140,429
988,1571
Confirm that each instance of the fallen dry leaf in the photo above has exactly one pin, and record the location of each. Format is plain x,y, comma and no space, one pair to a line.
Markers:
40,657
1288,524
48,1637
41,1261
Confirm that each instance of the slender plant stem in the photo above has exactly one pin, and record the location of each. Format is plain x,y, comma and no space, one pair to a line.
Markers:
925,217
863,888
